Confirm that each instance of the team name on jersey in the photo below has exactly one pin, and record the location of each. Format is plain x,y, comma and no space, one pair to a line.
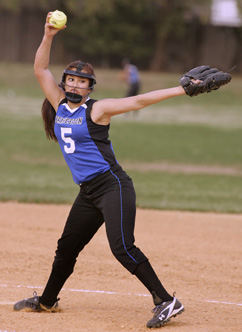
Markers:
61,120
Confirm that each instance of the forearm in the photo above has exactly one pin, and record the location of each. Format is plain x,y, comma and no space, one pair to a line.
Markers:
157,96
42,57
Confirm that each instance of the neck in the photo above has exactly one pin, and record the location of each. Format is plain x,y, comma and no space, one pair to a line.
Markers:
76,105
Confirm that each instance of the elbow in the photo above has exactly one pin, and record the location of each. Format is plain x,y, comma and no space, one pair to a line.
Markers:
141,102
37,71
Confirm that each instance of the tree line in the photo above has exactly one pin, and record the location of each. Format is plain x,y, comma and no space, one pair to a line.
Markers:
149,32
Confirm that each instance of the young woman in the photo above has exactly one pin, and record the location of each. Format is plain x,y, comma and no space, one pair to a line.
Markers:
81,126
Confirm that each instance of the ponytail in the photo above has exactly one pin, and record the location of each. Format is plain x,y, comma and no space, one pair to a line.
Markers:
48,116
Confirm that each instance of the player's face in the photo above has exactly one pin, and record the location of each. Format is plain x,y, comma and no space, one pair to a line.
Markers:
76,84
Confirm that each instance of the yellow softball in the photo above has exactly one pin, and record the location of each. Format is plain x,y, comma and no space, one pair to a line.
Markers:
58,19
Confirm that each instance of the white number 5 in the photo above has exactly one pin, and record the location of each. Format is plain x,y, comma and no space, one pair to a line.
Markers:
70,147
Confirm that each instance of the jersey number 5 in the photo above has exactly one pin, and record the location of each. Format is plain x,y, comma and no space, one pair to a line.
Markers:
70,144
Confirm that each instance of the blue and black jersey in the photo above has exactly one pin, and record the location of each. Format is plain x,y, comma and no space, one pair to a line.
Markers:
84,144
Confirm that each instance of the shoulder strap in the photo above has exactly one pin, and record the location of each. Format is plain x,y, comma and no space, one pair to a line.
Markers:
89,104
62,101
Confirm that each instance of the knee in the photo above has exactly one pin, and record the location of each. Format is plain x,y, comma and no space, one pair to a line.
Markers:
121,251
117,250
65,256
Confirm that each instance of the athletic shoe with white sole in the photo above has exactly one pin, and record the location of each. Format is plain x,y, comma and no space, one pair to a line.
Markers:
33,304
164,312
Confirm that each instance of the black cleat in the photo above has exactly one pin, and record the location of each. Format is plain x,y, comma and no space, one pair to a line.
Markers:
33,303
164,312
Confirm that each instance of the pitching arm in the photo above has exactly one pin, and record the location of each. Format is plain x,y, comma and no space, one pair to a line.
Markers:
41,66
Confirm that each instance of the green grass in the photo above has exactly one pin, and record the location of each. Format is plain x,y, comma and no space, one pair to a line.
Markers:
193,192
203,133
192,144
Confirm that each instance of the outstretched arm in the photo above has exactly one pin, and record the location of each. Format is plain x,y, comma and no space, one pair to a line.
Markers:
104,109
198,80
41,66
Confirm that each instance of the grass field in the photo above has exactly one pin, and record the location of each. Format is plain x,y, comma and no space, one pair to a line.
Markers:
184,153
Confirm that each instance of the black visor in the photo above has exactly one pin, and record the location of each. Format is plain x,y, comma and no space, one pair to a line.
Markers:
78,72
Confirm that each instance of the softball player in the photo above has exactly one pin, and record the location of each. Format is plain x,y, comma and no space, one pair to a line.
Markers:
81,126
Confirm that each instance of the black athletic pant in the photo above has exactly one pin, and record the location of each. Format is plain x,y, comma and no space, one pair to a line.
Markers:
109,198
133,89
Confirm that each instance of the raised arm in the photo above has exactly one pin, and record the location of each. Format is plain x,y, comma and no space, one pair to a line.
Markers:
41,66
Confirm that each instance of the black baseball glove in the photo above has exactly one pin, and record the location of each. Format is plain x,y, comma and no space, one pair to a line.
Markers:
209,79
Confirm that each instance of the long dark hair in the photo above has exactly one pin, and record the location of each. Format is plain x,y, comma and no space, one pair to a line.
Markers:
47,110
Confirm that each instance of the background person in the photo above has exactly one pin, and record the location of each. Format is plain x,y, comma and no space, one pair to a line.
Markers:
131,75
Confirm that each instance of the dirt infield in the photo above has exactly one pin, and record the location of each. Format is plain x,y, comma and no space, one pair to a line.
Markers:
197,255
